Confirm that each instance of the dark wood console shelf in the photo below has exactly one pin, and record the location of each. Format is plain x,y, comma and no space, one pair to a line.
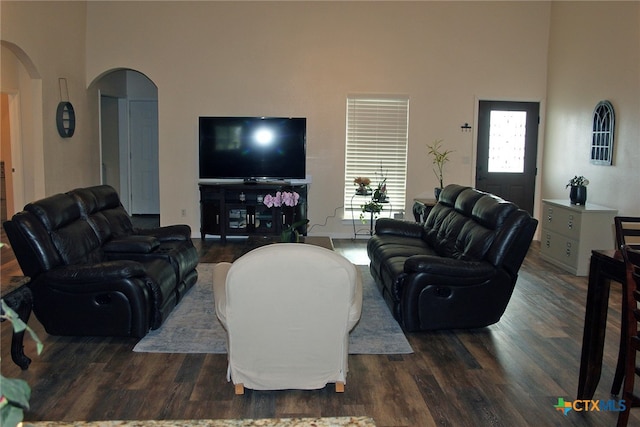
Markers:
239,210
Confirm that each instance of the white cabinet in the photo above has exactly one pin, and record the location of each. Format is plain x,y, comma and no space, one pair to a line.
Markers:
571,232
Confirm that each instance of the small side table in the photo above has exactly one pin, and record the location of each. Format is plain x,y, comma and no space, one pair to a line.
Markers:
20,299
372,218
421,208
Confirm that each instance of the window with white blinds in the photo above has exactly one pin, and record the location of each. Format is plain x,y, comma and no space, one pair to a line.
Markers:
377,138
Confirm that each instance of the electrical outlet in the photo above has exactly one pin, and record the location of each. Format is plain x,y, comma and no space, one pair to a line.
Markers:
183,212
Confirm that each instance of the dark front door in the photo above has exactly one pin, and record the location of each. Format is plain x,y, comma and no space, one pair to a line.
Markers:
507,150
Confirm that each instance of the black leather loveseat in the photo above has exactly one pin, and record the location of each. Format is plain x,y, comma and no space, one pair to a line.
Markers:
92,273
459,268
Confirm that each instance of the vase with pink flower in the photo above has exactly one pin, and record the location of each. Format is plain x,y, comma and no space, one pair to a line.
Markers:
287,202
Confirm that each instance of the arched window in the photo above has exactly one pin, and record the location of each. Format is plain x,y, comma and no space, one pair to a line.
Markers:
602,138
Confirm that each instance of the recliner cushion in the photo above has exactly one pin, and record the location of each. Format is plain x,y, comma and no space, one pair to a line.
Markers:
77,243
55,211
492,212
450,193
473,242
31,244
103,206
90,211
106,197
72,236
443,238
132,244
466,201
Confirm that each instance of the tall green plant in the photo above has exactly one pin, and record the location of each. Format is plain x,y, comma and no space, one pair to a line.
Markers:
14,392
440,157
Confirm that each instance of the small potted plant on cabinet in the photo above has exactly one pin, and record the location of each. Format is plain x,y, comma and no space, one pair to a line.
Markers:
578,192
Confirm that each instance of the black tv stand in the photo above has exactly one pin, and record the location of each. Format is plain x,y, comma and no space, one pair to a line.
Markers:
238,209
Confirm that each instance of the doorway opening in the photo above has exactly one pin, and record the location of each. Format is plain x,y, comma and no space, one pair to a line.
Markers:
507,150
129,142
22,151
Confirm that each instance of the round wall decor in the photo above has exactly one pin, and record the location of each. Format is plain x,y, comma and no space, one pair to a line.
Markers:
66,119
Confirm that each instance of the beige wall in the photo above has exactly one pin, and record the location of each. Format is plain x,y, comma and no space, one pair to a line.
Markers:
20,81
304,58
594,55
50,37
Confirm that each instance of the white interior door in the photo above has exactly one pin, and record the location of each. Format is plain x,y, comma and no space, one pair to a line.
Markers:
143,131
110,142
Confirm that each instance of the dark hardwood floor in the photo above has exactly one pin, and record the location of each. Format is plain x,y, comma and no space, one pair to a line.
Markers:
509,374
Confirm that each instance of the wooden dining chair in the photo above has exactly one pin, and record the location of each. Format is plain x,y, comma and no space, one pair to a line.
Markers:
627,233
631,312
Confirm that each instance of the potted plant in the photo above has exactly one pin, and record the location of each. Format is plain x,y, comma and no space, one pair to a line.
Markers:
363,184
440,157
380,193
378,196
14,392
578,192
374,207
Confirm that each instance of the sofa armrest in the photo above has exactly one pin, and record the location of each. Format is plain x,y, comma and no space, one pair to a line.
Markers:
131,244
355,311
177,232
220,271
449,271
400,228
86,274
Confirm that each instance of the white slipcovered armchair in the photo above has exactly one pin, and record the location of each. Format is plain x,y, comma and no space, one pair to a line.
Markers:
287,309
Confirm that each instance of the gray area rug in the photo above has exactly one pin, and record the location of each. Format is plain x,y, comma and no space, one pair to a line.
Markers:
192,327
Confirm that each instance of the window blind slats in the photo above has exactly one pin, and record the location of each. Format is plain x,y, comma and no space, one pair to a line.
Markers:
377,138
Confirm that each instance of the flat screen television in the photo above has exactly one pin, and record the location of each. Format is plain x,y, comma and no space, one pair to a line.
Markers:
252,148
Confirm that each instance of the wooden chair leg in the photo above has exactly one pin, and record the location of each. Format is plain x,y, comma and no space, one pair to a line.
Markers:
339,387
618,377
239,388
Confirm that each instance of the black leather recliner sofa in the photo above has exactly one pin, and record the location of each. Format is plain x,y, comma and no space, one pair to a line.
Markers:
459,268
92,273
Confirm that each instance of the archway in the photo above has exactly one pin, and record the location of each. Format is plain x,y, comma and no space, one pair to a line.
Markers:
23,148
128,116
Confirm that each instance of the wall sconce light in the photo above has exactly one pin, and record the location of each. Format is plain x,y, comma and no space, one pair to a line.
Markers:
465,127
